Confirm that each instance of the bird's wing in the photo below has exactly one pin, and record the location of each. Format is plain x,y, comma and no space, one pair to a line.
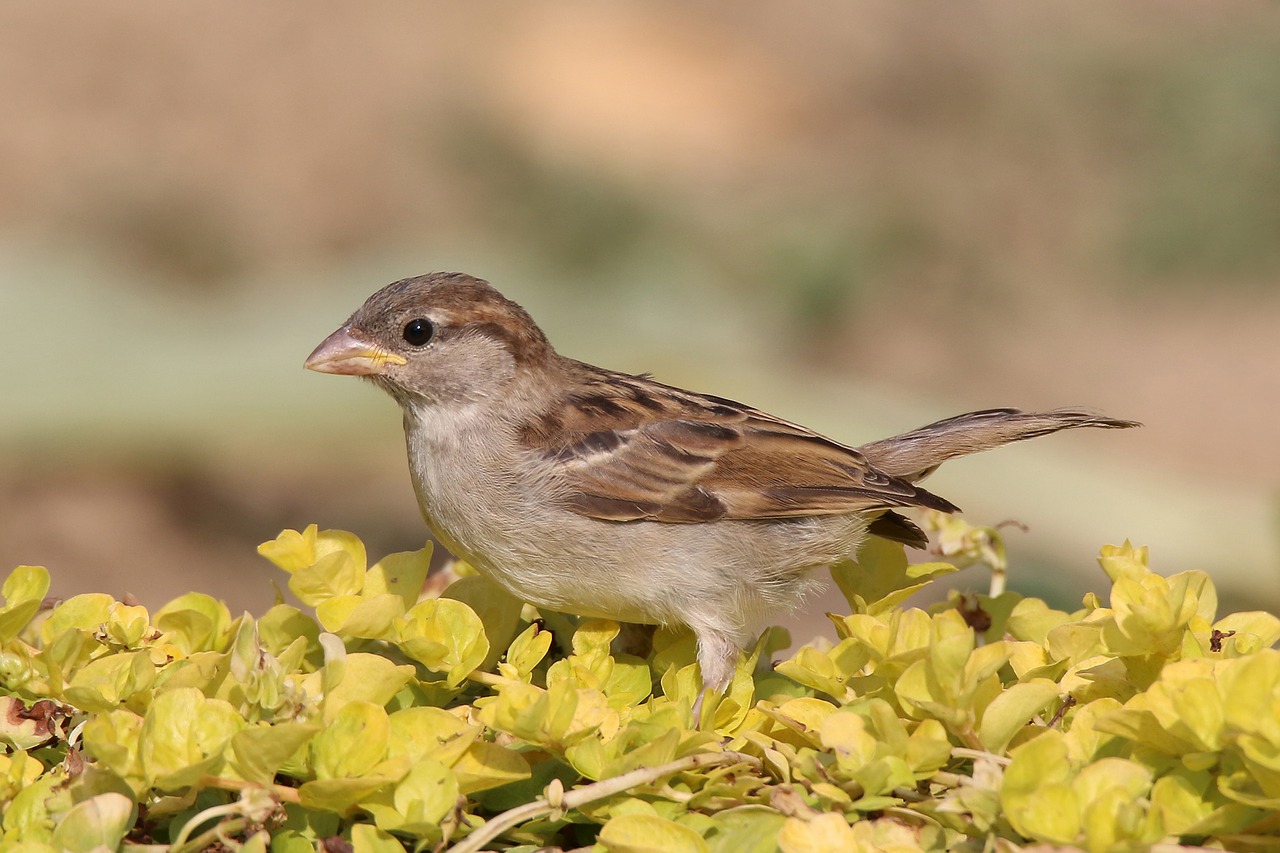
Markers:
630,449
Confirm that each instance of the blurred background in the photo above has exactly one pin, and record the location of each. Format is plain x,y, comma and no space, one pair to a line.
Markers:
860,219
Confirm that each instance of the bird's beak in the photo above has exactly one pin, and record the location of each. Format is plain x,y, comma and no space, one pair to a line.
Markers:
344,353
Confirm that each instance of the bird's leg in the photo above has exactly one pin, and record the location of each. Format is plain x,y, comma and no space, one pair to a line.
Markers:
717,658
697,708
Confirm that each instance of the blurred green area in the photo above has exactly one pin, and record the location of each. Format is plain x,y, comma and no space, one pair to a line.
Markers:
858,220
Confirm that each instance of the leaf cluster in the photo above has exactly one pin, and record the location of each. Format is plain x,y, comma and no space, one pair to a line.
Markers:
388,720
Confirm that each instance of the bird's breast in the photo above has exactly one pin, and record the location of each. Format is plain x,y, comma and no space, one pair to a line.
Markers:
499,511
475,494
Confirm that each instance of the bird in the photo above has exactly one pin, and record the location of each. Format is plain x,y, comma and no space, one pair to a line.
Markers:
611,495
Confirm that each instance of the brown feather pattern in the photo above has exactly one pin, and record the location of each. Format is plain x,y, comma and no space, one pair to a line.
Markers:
914,455
629,449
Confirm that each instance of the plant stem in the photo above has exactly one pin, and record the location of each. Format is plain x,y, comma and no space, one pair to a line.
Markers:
488,679
499,824
965,752
180,840
282,793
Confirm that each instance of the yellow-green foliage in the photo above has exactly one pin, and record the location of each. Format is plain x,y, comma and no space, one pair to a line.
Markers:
468,721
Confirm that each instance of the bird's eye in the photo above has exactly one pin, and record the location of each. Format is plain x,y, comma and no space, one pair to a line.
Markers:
418,332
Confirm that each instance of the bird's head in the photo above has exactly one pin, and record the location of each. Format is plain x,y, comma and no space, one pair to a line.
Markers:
435,339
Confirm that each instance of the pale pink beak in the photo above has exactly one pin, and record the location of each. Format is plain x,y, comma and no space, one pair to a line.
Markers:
345,354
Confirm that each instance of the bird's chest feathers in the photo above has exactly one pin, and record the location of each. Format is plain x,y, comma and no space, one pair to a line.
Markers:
463,474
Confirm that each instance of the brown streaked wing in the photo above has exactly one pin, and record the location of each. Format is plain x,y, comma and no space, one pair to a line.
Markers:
655,470
673,456
783,470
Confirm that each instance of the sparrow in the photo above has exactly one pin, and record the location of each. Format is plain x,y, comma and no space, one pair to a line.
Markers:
610,495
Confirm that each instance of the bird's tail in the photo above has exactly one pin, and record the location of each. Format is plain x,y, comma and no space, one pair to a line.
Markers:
914,455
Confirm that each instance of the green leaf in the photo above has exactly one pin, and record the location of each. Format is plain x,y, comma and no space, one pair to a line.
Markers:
558,716
499,612
183,737
282,624
1052,817
1111,793
85,612
96,824
330,542
1200,713
641,833
1012,710
526,652
1248,687
1108,774
368,839
1032,620
928,749
23,591
815,669
420,733
1262,759
1075,641
195,622
259,752
339,795
1037,796
804,716
1253,631
204,670
1183,798
401,574
1124,562
981,668
364,678
845,734
292,841
745,829
631,683
417,804
106,682
1173,736
1084,740
951,643
370,617
487,765
25,584
354,742
112,738
323,564
126,626
425,796
880,571
330,576
445,636
257,843
292,550
822,833
27,814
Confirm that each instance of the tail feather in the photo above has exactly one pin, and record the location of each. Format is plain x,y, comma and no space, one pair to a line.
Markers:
898,528
914,455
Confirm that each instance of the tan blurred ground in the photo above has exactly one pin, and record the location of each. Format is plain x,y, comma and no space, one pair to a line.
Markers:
1049,204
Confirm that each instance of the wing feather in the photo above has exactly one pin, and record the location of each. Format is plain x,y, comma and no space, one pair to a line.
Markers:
626,448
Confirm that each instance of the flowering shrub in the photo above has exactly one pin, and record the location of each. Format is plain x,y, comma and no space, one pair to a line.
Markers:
467,721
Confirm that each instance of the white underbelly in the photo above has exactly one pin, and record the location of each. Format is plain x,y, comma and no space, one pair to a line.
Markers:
642,571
